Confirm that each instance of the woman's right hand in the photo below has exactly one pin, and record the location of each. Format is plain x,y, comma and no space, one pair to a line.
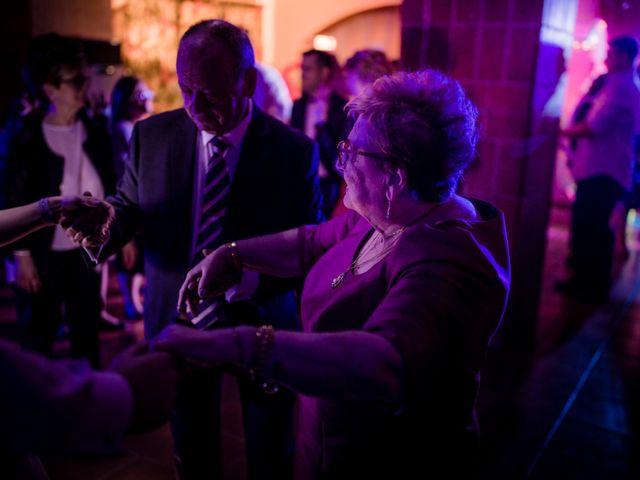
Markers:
214,275
27,277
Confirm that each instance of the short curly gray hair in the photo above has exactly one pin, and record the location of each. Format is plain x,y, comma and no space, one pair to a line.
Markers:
426,124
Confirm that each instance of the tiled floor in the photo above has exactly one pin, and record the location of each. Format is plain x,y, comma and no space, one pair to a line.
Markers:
569,418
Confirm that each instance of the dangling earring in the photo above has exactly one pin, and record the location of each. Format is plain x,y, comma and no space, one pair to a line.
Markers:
386,216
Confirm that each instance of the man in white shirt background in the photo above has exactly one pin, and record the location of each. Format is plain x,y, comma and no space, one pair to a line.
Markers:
602,167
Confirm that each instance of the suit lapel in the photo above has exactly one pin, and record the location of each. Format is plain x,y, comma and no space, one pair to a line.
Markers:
252,156
181,175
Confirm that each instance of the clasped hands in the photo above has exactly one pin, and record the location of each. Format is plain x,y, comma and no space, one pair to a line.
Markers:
86,220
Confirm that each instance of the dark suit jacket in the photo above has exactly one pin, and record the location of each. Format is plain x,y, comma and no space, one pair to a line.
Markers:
34,171
336,128
274,188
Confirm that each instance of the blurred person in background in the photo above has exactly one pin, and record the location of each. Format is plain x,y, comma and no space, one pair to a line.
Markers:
363,68
272,94
605,125
319,113
57,149
131,101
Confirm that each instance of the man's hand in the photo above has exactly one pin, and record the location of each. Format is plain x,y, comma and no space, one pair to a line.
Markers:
153,379
86,220
214,275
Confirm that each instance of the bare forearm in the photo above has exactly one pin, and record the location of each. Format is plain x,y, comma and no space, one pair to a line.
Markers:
20,221
275,254
351,365
346,365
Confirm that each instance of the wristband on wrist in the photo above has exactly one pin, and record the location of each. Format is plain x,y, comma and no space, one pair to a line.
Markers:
45,211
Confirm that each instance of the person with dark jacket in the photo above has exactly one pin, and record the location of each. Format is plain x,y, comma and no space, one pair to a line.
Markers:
197,177
131,101
57,149
319,113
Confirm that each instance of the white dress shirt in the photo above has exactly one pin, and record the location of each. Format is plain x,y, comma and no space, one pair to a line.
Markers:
614,119
79,173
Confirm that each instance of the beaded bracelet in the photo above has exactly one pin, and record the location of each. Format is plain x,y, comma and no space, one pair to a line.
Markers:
262,352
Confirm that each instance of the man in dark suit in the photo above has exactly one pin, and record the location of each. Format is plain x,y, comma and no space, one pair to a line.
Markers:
266,182
320,114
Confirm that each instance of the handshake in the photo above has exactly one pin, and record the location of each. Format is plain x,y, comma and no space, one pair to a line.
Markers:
86,219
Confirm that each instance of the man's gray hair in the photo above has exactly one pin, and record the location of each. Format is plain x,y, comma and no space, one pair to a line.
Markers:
233,38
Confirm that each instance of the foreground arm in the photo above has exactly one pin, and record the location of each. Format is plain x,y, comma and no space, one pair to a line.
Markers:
87,213
65,406
60,405
346,365
17,222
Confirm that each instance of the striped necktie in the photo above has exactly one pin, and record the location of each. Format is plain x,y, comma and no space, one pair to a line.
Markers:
214,196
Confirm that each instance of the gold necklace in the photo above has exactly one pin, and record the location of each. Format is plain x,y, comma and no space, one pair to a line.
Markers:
369,245
337,281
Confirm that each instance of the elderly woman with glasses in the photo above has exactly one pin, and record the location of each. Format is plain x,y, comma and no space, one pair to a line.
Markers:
401,295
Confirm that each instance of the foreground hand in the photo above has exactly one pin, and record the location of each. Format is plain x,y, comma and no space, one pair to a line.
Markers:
208,348
86,220
153,379
214,275
176,339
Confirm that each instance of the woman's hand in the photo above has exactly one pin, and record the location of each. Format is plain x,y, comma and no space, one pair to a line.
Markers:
211,348
176,339
27,277
214,275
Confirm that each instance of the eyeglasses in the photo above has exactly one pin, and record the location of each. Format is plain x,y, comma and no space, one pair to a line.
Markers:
346,154
78,81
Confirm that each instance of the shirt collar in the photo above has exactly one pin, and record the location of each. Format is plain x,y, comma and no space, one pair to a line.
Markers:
234,137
